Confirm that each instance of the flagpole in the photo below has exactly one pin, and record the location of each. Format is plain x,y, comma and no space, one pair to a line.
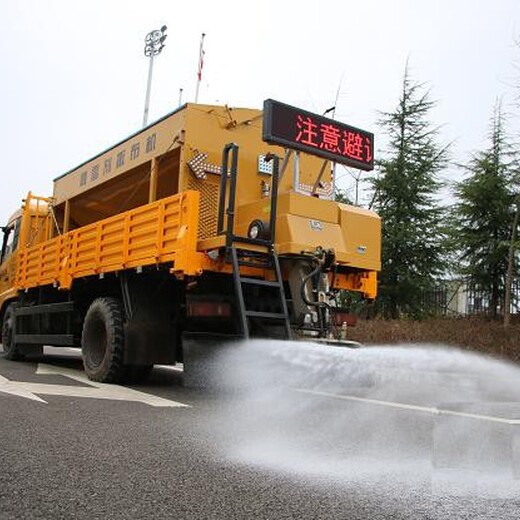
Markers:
201,63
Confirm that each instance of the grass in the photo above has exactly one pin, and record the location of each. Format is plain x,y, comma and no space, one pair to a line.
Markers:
476,334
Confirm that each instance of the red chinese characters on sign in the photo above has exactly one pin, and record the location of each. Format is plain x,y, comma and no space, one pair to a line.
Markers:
352,145
307,131
357,146
331,138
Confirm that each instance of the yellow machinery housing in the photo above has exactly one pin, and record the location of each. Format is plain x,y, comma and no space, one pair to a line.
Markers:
143,233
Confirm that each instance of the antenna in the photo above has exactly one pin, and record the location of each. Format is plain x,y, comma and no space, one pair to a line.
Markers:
333,116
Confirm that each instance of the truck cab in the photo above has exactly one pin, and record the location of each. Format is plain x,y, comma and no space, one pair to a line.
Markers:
10,240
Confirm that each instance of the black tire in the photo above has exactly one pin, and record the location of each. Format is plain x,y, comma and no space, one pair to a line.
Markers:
11,349
103,341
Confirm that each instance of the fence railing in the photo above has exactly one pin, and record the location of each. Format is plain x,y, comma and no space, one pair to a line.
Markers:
458,297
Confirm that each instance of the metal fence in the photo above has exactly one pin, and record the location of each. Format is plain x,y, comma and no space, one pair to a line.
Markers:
460,298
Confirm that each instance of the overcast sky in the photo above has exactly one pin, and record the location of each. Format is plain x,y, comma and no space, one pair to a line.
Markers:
74,73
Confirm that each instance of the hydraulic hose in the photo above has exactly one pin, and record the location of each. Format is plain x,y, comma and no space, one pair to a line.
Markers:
304,282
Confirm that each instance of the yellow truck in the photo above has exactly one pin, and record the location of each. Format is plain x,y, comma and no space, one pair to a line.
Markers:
212,221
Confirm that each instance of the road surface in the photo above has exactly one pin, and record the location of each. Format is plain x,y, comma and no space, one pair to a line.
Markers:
74,449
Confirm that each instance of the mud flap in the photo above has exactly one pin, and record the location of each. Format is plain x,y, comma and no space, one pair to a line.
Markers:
151,322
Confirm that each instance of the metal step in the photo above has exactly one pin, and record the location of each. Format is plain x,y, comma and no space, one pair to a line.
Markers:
259,281
267,315
257,264
253,241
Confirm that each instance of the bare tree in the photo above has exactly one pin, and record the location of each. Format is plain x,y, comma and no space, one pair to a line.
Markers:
513,246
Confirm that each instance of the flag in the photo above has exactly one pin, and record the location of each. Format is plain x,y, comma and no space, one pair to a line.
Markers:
201,57
201,64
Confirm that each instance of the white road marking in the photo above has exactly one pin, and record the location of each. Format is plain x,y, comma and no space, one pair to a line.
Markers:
413,407
92,391
9,387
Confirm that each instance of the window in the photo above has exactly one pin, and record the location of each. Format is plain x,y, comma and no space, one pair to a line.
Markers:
11,237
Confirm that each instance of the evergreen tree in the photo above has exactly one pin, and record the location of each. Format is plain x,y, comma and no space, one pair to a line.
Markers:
405,198
484,214
342,196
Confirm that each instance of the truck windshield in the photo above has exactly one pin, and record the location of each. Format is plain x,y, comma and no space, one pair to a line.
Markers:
10,242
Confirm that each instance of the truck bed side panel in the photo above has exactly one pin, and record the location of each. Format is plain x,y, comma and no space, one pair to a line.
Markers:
159,232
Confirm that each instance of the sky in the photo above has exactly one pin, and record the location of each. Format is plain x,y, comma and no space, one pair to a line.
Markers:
74,73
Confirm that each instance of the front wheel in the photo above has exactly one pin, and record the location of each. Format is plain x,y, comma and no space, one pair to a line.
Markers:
103,341
11,349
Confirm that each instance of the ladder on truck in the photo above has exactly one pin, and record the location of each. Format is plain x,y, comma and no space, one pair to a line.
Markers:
252,316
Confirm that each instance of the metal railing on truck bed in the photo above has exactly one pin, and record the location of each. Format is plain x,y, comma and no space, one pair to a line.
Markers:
156,233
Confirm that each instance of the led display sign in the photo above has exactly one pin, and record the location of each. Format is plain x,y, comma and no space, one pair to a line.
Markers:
298,129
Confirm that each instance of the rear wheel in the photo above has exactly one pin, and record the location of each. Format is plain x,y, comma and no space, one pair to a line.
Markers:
11,349
103,341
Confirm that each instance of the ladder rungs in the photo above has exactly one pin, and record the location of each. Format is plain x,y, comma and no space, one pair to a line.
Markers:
258,281
269,315
269,260
255,241
259,265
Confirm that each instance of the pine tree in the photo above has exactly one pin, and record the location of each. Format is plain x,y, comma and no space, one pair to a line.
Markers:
405,197
484,214
342,196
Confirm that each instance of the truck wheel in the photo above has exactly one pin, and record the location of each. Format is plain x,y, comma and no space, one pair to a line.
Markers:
11,350
103,341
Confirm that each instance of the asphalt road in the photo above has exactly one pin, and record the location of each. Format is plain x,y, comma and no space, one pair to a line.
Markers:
368,449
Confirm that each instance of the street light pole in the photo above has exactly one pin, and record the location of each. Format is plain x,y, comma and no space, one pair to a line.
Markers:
153,45
148,89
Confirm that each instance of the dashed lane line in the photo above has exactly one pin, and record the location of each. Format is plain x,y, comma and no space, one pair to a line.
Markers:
412,407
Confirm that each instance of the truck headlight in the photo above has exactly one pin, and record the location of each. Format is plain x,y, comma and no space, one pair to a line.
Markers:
258,229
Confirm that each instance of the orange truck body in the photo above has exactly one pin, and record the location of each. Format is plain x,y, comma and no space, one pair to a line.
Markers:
152,202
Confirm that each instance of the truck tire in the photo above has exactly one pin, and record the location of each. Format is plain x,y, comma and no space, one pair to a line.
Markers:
103,341
11,350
